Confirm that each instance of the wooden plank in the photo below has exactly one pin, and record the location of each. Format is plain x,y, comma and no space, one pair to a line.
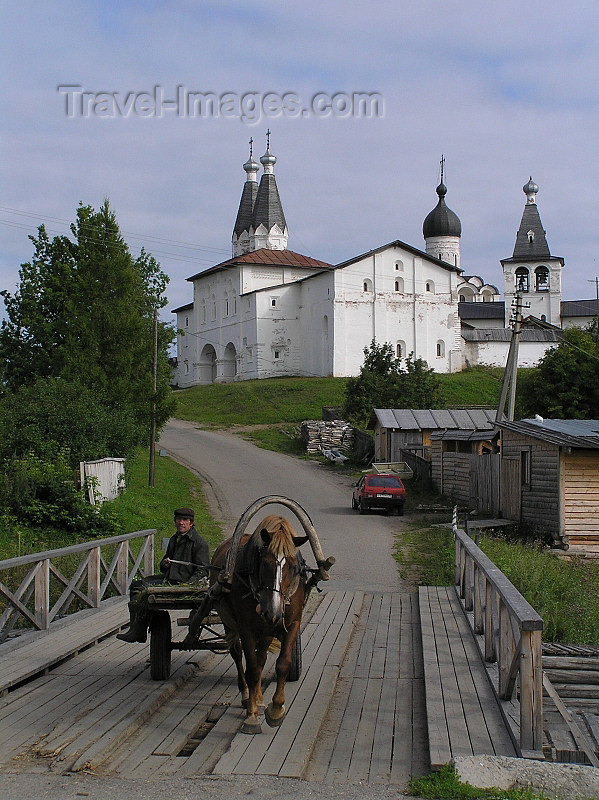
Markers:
580,736
326,647
439,744
41,652
484,703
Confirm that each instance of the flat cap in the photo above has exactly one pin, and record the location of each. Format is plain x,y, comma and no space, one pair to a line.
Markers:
186,513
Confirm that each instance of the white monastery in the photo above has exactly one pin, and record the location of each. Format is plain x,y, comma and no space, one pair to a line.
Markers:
269,312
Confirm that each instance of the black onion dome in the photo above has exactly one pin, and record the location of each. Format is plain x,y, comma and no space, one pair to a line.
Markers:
441,221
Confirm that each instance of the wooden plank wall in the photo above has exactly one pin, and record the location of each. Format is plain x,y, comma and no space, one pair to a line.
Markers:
456,476
484,483
540,504
580,488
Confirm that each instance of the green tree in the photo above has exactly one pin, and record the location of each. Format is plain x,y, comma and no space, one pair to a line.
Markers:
54,415
565,385
83,311
388,382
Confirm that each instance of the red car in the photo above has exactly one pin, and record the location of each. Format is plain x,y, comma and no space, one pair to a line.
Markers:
379,490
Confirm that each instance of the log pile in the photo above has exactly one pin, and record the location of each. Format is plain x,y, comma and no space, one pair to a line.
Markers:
574,674
320,435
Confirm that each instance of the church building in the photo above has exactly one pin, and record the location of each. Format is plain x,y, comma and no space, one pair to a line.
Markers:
269,311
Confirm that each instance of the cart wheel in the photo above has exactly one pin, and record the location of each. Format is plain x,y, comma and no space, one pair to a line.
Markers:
160,645
295,670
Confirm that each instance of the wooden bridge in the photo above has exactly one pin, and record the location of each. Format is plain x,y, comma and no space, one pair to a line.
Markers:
392,683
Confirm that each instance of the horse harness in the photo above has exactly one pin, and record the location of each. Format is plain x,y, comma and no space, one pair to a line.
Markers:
248,569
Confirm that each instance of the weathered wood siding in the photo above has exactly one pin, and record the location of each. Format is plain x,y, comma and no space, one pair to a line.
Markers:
580,498
510,489
485,482
450,473
540,498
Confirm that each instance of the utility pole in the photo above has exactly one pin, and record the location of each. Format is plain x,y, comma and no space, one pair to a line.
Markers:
510,374
153,402
596,282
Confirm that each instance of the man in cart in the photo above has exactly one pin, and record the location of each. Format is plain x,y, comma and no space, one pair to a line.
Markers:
187,560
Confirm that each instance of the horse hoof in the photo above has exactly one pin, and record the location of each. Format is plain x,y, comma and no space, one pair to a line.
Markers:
251,726
274,722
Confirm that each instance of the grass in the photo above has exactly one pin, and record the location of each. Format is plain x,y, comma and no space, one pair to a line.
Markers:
477,386
563,592
142,506
446,785
274,401
138,508
270,401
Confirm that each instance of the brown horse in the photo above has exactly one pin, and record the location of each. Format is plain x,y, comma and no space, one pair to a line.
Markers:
266,599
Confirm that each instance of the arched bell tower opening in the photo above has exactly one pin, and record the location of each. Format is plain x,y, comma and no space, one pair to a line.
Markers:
532,270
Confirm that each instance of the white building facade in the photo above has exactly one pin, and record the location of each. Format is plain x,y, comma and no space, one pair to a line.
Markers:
269,311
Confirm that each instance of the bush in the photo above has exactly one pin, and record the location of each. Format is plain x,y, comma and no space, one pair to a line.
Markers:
55,414
43,495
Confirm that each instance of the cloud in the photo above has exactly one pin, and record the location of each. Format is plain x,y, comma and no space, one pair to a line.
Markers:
503,90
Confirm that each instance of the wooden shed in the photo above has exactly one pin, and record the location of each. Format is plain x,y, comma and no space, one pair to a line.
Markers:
399,429
550,479
452,463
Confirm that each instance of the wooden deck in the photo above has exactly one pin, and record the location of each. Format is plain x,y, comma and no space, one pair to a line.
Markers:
464,716
357,714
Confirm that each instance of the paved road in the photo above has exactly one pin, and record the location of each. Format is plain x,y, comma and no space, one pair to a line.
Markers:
235,473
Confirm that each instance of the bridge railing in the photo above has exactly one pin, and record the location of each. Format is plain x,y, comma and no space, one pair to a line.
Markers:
511,629
39,588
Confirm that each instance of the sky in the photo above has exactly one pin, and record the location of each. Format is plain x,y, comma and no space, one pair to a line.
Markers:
103,99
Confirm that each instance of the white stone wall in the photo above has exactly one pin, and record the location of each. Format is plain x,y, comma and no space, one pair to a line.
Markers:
494,354
398,297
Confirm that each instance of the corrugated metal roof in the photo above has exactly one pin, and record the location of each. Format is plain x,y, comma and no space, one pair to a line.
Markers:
468,309
505,334
409,419
463,436
578,433
580,308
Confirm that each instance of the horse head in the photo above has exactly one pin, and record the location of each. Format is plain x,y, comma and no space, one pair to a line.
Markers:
279,568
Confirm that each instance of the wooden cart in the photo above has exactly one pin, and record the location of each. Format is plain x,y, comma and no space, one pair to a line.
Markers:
198,600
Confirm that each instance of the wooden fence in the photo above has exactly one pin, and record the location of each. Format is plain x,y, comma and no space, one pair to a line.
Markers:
34,589
511,629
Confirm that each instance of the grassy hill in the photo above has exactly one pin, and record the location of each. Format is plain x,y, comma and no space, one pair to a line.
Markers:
290,400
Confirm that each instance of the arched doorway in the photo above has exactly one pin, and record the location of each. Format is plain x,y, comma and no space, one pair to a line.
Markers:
207,364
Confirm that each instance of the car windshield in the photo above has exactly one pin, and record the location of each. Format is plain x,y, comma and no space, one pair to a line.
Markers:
387,481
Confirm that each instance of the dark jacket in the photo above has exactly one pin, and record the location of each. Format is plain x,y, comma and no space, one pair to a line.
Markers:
186,547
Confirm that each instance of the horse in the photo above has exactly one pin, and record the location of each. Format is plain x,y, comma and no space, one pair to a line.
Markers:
265,600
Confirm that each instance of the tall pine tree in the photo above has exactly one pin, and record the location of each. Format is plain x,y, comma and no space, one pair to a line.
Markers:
83,311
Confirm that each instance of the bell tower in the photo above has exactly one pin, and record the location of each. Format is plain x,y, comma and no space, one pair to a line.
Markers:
532,269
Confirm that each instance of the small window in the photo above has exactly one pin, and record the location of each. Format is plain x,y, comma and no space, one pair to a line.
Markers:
430,287
525,467
277,354
399,285
462,298
531,237
367,285
187,322
399,266
440,349
273,302
398,353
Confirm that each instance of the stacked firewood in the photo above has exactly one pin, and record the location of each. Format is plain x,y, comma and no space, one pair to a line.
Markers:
320,435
